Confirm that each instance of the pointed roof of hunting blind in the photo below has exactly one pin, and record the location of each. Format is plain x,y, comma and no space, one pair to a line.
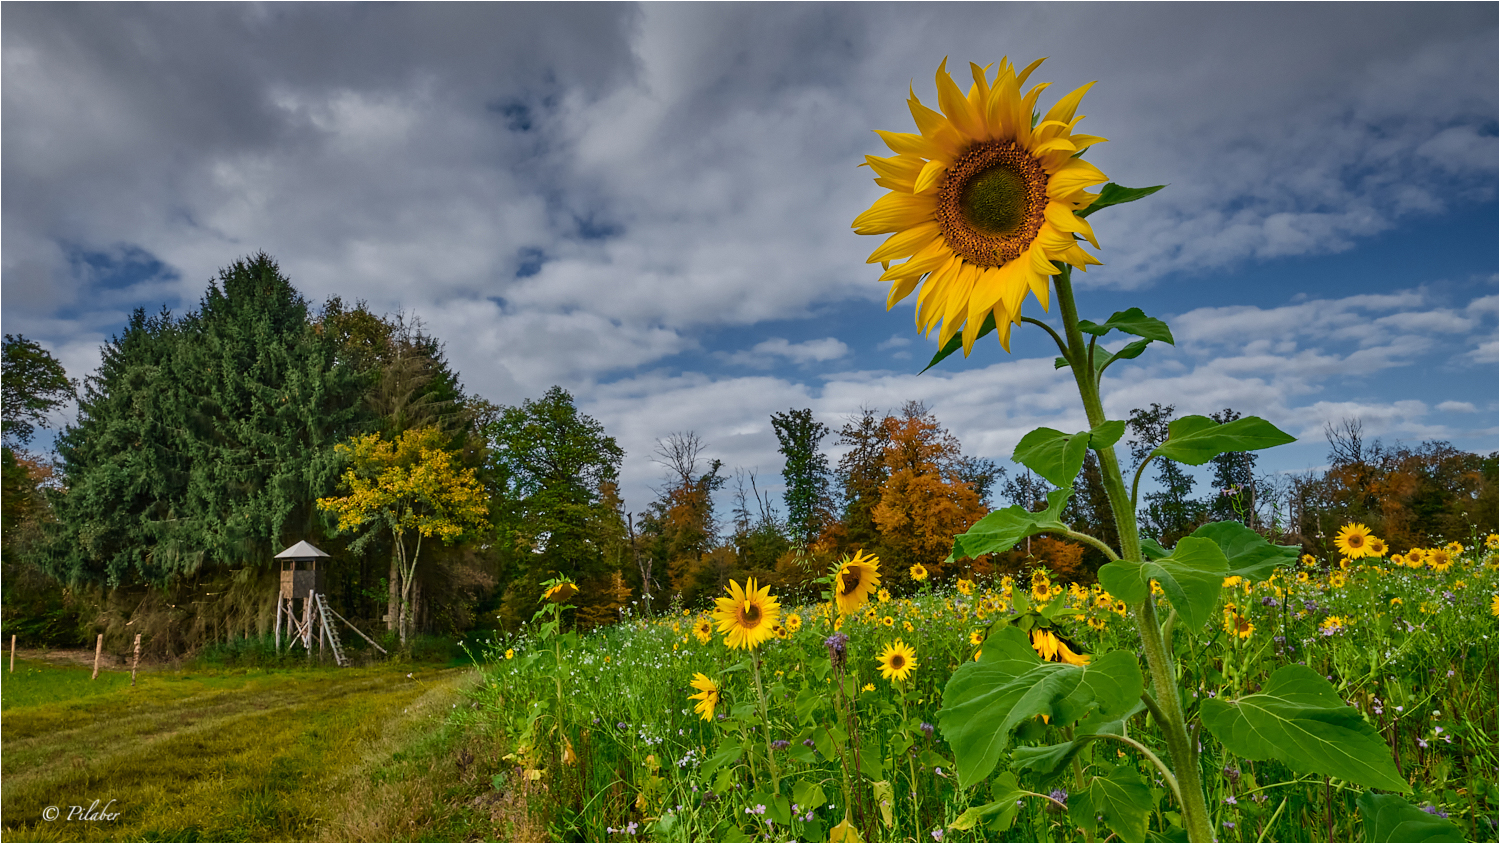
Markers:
301,551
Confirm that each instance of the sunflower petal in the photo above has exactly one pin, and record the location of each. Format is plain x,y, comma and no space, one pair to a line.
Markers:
906,143
955,105
1076,174
1021,77
1066,106
931,175
895,212
1063,219
902,244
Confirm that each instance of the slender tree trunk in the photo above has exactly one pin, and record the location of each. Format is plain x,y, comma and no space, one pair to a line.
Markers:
393,590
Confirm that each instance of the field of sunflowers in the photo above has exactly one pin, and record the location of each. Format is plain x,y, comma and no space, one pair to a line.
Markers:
768,719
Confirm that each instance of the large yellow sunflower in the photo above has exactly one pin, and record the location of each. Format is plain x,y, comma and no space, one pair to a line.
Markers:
897,661
748,616
857,577
1353,541
707,697
981,202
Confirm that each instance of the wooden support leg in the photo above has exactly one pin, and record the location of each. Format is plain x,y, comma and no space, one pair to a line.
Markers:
307,610
278,624
137,662
98,649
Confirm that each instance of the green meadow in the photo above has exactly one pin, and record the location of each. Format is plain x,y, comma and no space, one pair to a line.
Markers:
248,754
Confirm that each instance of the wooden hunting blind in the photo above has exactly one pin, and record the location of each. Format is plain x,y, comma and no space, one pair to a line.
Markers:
302,580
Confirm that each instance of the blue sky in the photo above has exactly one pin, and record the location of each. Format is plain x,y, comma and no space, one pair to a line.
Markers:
650,205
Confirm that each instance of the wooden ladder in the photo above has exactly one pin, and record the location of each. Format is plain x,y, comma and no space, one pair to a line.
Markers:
330,631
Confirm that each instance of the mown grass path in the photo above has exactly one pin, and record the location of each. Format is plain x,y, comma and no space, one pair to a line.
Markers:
248,755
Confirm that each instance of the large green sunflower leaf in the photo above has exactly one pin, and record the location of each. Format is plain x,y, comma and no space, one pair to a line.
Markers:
997,814
985,701
1195,440
1122,798
1113,194
1250,555
1299,719
1001,530
956,342
1390,818
1191,576
1131,321
1057,456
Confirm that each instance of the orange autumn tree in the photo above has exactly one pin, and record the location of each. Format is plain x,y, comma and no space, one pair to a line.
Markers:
413,487
924,502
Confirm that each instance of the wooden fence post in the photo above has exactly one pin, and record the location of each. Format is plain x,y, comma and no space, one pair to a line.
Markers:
98,649
136,663
12,653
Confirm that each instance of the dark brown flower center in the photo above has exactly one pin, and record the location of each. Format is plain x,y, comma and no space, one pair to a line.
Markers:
750,614
991,203
898,661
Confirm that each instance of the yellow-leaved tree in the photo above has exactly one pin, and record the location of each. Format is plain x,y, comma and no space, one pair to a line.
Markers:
413,487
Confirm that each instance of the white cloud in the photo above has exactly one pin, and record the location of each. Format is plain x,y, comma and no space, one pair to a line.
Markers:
1457,407
762,354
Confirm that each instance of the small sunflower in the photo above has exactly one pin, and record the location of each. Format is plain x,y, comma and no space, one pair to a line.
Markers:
982,202
897,661
1309,560
1377,547
888,621
707,697
1096,622
857,577
1396,602
1440,560
703,629
1301,577
966,586
1120,609
748,616
908,626
976,637
1492,541
918,572
560,589
1455,547
1353,541
1332,625
1236,624
884,596
1398,560
793,623
510,653
1337,580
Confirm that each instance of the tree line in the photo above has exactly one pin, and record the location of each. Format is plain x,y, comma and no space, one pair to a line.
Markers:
206,443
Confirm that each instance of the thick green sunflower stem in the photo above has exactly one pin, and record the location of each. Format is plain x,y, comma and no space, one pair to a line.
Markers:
1158,660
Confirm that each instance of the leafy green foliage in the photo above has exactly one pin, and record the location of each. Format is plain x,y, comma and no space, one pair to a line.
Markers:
1002,529
1130,321
1195,440
1057,456
204,442
1390,818
1113,194
32,384
805,472
1300,720
553,466
1247,553
1191,577
985,701
1121,797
